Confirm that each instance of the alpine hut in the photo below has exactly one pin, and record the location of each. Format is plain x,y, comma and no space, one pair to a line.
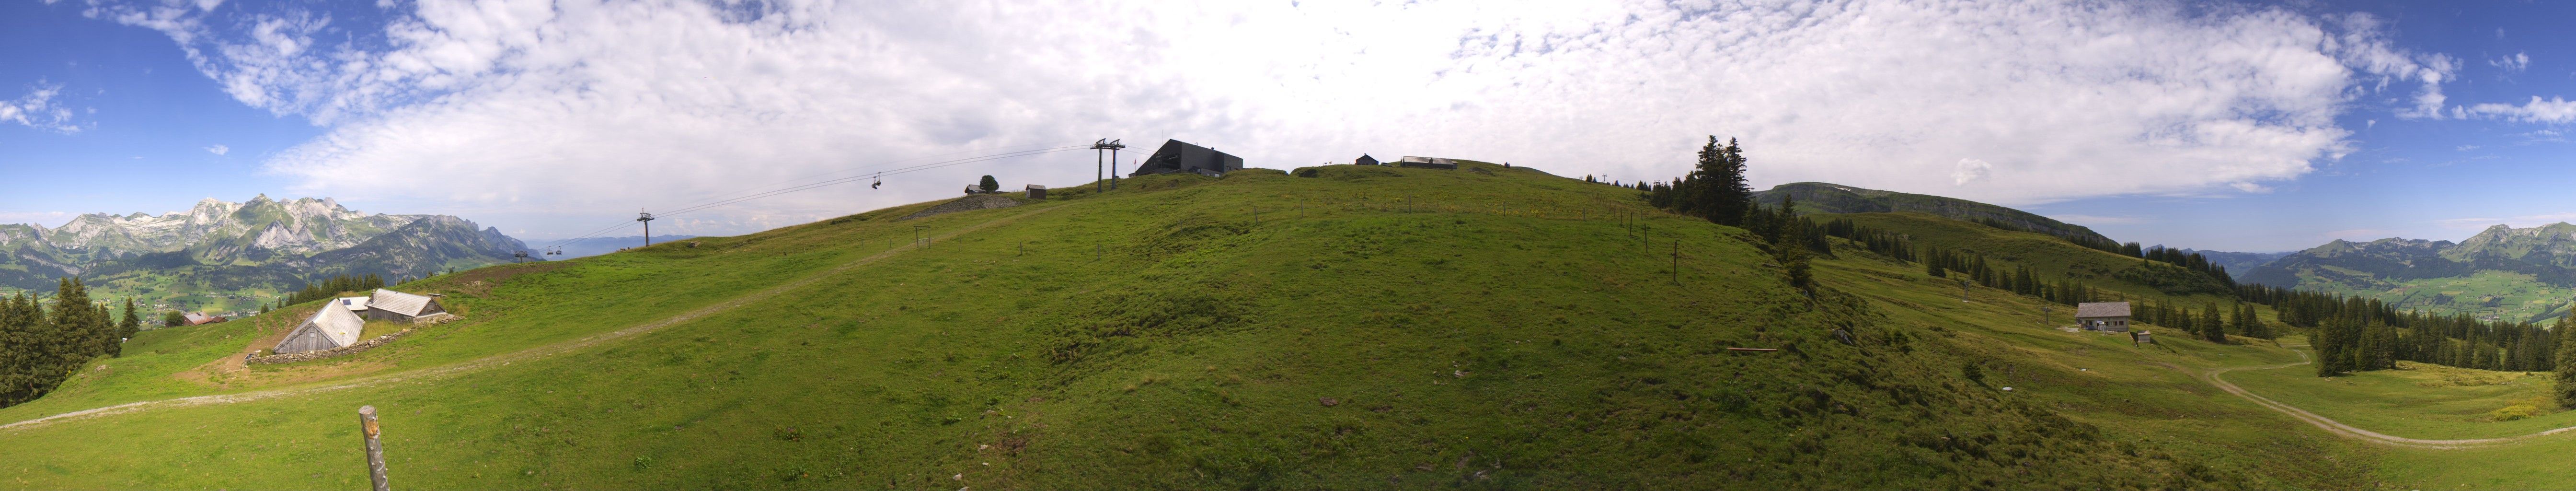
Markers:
2102,316
389,305
1365,159
1177,157
354,304
197,318
331,327
1037,191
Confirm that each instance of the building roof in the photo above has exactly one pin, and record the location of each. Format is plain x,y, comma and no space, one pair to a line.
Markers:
398,302
341,325
1183,157
1034,186
197,318
354,303
2101,309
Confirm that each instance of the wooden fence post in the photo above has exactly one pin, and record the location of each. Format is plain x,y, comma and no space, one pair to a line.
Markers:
375,447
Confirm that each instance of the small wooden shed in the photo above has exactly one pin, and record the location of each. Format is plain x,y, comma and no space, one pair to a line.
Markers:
332,326
2103,316
1365,159
389,305
1037,191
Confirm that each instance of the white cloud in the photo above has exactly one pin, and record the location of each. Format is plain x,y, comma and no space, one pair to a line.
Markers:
1970,170
2538,110
2512,64
597,106
2464,148
46,218
219,149
39,110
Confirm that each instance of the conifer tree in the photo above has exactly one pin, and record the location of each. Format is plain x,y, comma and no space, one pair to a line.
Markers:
2210,327
126,326
988,184
1792,252
2566,387
1718,190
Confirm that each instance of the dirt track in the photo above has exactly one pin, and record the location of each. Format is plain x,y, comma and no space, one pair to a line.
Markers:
2348,431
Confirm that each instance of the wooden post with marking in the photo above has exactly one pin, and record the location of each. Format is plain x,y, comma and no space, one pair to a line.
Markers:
375,447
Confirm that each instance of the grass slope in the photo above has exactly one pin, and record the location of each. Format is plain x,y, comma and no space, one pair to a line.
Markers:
1486,327
2049,257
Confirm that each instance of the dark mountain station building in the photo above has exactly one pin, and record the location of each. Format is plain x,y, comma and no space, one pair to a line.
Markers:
1177,157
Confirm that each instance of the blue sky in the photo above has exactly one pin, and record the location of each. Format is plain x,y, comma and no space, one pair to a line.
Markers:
2212,125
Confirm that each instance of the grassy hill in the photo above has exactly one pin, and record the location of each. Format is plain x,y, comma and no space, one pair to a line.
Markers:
1822,197
1373,327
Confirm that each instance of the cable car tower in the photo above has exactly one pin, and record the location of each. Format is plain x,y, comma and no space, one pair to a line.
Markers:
1112,146
518,256
647,218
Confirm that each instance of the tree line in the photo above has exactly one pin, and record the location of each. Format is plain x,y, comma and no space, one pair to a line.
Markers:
42,343
1716,190
2360,334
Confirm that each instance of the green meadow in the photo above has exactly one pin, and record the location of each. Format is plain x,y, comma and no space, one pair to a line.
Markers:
1332,327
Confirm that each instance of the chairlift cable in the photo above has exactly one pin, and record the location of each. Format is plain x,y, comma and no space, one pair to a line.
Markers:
876,176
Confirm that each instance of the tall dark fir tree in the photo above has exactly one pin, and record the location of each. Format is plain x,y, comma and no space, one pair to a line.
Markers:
1719,192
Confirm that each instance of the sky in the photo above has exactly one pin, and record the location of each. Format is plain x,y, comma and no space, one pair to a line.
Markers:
2209,125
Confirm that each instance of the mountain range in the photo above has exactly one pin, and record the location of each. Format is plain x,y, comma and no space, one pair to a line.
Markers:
2502,273
223,251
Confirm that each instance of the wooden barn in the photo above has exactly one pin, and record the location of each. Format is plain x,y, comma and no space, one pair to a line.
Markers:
389,305
1365,159
332,326
1037,191
2102,316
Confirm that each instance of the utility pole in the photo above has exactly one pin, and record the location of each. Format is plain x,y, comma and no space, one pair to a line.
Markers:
647,218
1110,159
1677,262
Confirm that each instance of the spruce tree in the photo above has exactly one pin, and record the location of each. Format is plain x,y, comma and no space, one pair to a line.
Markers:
2210,327
1717,188
988,184
126,326
2566,387
1792,252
